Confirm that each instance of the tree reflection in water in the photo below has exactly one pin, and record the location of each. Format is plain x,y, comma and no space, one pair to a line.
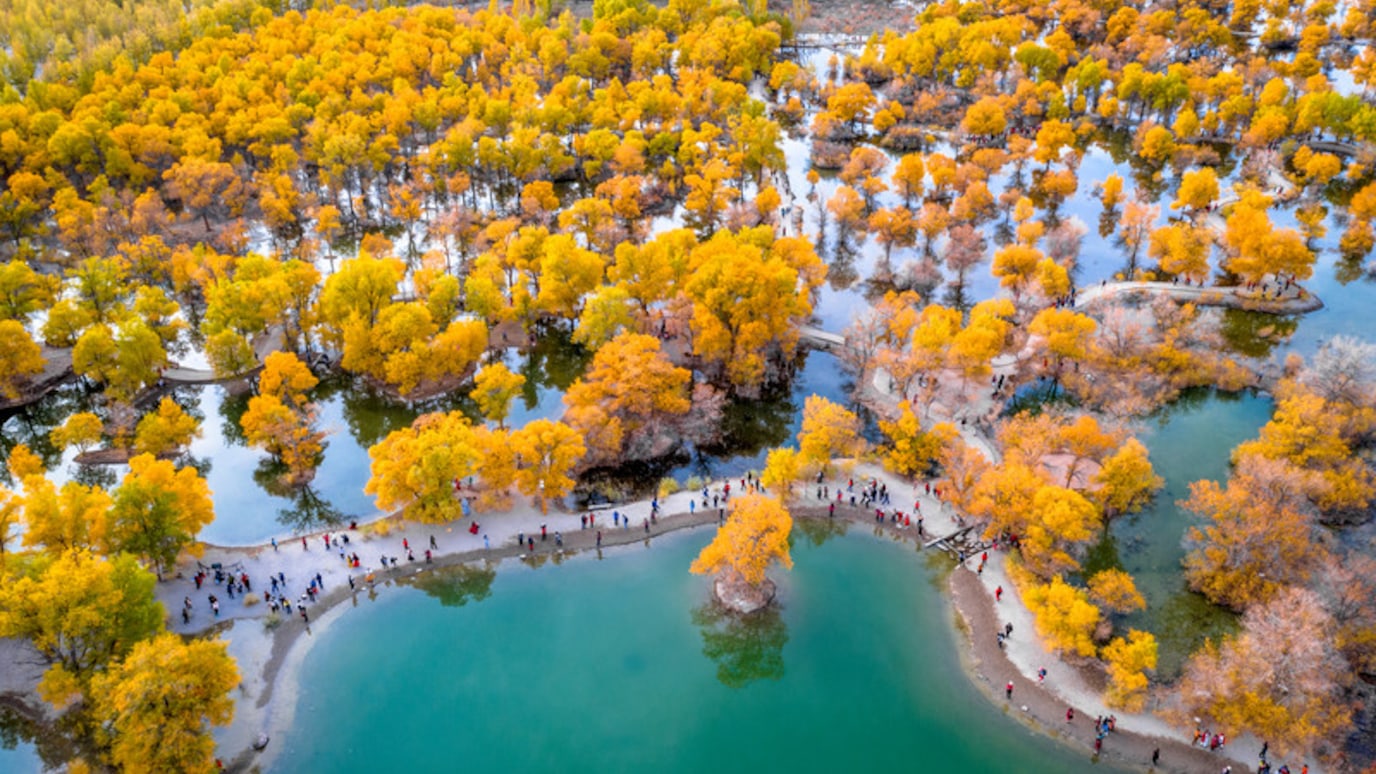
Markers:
455,585
745,648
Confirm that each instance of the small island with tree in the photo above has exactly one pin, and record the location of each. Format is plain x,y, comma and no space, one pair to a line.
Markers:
754,537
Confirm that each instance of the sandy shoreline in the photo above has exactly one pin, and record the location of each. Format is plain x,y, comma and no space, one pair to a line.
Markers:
1039,707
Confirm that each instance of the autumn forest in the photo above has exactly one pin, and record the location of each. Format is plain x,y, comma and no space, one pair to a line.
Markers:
279,195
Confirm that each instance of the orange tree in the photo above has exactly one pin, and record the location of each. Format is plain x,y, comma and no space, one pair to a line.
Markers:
754,537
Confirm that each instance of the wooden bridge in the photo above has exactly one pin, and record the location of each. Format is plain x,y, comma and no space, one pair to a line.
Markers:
816,337
963,541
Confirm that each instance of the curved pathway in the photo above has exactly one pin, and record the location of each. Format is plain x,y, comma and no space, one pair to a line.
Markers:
1295,301
270,341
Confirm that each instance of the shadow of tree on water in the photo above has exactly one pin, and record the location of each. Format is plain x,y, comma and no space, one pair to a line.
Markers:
745,648
455,585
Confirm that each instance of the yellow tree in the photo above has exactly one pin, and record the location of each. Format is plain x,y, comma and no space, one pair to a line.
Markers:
1181,249
1198,189
1061,519
11,511
630,384
81,611
1003,497
1280,678
494,388
546,454
205,187
156,707
985,118
1016,266
359,291
754,537
82,430
1115,590
1128,661
1126,481
23,463
828,431
414,469
166,430
749,291
20,358
57,520
281,420
286,378
286,433
1259,249
125,360
1255,539
1085,440
709,194
911,450
158,510
1066,334
782,469
1064,616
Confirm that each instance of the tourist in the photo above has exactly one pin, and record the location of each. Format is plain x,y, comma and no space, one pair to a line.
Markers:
1041,675
1156,756
599,538
1069,714
274,544
1008,629
1008,689
998,594
433,545
486,544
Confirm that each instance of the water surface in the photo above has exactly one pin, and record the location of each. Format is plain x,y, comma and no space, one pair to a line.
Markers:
618,665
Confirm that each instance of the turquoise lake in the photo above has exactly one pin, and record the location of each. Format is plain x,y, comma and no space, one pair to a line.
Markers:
605,666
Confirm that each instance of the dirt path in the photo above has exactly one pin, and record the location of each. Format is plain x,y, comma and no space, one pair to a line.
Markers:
1039,706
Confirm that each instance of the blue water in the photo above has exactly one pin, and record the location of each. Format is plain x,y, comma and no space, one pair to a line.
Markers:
602,666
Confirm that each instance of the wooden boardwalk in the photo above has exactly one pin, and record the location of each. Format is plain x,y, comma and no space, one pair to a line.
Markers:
822,339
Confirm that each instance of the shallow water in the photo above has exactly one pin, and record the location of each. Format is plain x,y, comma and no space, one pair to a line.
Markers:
614,666
1190,440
